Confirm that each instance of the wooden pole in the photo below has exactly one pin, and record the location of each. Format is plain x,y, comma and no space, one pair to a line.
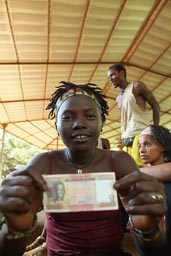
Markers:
2,151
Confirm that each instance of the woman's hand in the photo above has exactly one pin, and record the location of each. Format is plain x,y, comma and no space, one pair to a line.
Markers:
141,194
21,197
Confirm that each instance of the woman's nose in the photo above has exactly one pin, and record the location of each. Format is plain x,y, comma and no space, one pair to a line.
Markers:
141,148
79,123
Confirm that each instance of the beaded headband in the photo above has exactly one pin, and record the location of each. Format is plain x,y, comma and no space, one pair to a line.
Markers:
72,92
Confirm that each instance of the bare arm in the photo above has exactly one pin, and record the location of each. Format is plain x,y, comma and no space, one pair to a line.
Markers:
147,213
162,171
136,191
20,200
156,236
155,106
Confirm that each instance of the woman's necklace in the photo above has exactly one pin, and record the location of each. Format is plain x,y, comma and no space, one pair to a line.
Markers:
80,169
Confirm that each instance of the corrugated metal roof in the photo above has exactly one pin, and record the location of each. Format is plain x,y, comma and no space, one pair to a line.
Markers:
45,41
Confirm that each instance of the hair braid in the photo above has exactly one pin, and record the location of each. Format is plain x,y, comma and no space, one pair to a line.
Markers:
162,136
90,88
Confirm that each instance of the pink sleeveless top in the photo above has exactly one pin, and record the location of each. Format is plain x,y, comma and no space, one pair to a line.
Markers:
84,233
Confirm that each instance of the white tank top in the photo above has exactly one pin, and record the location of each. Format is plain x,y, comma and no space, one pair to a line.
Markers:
134,119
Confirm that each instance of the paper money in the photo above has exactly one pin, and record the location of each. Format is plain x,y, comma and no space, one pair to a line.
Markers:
80,192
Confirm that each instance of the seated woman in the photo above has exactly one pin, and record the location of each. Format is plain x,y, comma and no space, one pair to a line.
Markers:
155,152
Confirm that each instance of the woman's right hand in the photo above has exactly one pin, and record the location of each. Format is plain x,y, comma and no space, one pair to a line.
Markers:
21,198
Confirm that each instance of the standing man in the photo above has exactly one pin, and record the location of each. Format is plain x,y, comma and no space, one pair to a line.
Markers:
132,101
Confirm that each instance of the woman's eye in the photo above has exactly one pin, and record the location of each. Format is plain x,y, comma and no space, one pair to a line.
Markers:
91,116
66,118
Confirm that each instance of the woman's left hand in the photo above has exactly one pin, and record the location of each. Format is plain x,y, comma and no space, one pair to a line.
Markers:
142,194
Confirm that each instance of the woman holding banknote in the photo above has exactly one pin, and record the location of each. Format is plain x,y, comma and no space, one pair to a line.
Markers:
80,113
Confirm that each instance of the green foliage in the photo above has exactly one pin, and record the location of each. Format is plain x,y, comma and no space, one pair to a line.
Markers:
16,152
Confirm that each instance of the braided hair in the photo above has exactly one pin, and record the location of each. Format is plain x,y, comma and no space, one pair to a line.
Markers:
162,137
91,89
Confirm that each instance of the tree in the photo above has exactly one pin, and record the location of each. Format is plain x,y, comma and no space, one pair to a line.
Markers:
16,152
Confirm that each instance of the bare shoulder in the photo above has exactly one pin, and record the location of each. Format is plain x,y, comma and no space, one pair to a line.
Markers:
123,163
42,161
139,87
39,157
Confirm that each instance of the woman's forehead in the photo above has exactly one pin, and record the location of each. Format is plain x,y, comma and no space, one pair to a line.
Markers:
79,102
146,137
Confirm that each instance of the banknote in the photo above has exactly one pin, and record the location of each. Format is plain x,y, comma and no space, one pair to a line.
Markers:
80,192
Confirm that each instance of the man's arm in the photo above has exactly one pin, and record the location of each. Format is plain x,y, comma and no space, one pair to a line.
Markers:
155,106
162,171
